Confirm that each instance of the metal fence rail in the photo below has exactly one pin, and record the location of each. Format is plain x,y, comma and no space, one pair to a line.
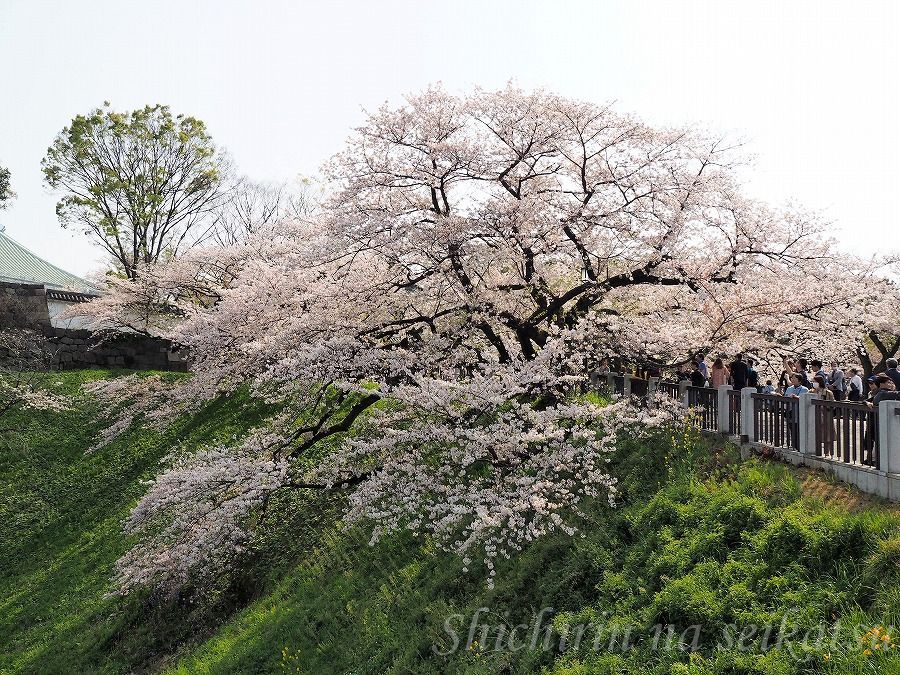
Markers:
669,388
841,437
776,420
734,412
639,387
847,432
705,402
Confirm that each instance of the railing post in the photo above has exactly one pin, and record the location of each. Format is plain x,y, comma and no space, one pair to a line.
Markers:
683,392
651,386
747,427
722,392
889,436
626,385
807,431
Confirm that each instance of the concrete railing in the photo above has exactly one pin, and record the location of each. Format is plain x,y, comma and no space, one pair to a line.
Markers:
857,444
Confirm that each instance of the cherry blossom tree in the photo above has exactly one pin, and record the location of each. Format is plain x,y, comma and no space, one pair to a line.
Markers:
6,193
425,334
878,335
25,355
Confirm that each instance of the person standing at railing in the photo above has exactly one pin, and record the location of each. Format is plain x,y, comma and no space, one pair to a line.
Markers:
769,389
881,388
796,387
738,370
873,389
719,374
855,386
752,375
788,366
698,379
791,422
893,373
820,387
871,430
803,372
836,382
887,390
818,369
701,366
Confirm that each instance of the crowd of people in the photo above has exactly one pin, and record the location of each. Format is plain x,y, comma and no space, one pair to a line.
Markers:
799,376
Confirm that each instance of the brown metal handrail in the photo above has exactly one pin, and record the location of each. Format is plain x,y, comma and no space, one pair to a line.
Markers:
705,402
776,420
847,432
734,412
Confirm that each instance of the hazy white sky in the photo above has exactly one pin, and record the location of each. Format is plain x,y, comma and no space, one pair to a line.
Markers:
814,87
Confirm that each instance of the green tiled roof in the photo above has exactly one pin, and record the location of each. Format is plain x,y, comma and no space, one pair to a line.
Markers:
18,264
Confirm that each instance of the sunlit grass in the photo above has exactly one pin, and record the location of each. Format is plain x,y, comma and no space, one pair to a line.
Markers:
697,536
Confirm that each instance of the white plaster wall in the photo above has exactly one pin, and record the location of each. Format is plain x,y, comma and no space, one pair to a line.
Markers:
56,309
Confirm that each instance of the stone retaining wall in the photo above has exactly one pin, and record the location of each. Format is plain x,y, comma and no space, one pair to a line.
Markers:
82,349
23,306
67,349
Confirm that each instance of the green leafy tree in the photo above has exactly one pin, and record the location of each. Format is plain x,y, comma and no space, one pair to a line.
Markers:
142,184
6,193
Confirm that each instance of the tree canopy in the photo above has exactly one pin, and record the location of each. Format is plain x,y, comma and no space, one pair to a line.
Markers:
471,253
141,184
251,206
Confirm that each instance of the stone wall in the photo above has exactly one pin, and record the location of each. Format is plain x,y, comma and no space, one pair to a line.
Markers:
74,349
23,306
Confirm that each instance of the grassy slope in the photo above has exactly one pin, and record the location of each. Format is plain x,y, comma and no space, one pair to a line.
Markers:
739,546
60,531
699,540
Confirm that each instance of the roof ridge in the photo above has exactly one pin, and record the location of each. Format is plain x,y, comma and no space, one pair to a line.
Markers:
73,280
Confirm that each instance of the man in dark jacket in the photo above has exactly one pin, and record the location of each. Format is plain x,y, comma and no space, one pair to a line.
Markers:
752,375
886,389
893,373
697,377
803,372
739,372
